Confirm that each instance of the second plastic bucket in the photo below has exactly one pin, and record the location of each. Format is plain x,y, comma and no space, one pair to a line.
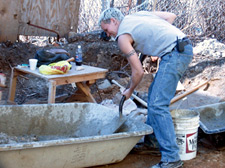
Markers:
186,123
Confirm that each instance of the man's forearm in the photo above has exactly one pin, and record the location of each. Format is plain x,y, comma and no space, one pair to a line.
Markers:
168,16
136,79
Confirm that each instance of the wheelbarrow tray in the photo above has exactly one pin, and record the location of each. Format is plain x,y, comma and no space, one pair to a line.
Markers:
68,136
212,118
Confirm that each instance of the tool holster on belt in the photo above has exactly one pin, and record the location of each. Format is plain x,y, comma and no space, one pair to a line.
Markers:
181,43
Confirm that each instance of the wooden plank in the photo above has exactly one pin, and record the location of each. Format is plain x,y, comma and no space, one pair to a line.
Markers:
8,20
58,15
91,82
89,73
12,88
51,91
86,90
72,79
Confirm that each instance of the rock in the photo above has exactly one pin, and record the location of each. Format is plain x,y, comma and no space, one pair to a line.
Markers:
180,87
104,84
128,105
210,47
139,114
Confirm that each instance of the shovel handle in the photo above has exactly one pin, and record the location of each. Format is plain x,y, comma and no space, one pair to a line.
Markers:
121,105
133,95
188,92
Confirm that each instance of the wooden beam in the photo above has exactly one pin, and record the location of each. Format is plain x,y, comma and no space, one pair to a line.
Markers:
13,80
51,91
86,90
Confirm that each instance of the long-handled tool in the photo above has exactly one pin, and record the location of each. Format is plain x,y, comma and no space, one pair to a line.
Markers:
121,105
176,98
114,124
122,101
133,95
117,122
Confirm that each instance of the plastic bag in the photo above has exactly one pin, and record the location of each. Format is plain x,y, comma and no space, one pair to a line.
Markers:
60,67
48,56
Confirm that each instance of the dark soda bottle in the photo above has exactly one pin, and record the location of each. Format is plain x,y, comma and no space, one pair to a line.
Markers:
79,55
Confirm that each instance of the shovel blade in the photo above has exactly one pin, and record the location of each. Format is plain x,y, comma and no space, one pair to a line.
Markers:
114,125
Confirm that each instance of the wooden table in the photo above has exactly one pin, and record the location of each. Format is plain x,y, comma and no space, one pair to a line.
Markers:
83,79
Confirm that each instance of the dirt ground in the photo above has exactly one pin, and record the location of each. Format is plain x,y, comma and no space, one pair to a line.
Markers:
208,64
206,158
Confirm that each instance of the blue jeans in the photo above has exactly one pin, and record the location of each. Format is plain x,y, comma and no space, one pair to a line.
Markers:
161,91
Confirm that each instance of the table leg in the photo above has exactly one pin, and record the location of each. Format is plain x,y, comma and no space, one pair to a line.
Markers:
83,87
12,87
51,91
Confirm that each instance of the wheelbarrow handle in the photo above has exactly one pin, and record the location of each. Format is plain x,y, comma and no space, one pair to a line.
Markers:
121,105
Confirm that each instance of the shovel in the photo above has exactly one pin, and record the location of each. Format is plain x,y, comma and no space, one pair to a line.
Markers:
117,121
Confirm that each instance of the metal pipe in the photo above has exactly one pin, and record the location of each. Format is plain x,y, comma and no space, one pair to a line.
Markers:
30,24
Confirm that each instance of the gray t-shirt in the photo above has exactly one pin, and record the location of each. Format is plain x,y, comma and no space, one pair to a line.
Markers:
152,35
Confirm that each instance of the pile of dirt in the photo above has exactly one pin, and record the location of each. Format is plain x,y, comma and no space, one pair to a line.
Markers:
208,63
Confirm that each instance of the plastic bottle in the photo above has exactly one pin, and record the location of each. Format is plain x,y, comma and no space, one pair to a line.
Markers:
79,56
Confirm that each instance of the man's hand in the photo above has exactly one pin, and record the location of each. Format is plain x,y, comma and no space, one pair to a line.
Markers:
127,93
154,59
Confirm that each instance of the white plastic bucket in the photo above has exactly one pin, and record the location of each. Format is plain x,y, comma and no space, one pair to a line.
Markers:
186,123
